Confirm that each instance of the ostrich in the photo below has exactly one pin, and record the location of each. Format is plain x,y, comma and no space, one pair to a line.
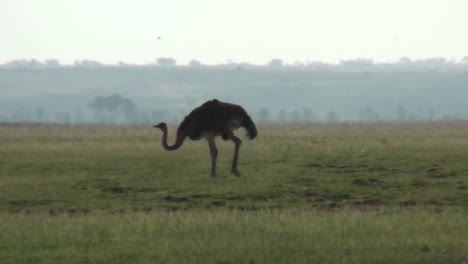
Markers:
211,119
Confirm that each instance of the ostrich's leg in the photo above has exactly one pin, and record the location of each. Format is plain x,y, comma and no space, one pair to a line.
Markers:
237,143
214,155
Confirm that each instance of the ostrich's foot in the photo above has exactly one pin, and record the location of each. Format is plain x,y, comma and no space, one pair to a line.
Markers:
235,173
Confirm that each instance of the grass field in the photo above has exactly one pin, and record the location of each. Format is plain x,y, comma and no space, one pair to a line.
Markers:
317,193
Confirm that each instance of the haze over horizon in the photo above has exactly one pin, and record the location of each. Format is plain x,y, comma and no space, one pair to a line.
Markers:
215,32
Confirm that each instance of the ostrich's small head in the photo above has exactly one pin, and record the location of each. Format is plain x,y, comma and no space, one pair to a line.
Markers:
161,126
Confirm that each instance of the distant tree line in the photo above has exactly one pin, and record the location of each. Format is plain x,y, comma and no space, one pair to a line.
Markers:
115,109
358,64
355,90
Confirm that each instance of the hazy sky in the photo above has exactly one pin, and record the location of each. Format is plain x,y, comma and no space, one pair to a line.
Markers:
214,31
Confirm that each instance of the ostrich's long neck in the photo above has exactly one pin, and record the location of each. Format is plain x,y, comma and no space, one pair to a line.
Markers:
179,141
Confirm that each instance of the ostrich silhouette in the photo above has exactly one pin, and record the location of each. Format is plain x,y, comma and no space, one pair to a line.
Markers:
210,120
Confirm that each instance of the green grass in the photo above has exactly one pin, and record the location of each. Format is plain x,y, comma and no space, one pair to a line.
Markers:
297,166
319,193
220,236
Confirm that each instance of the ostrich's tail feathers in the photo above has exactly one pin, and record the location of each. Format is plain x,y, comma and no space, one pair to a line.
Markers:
249,125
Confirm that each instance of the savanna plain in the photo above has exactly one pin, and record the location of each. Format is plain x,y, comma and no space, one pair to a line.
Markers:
308,193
